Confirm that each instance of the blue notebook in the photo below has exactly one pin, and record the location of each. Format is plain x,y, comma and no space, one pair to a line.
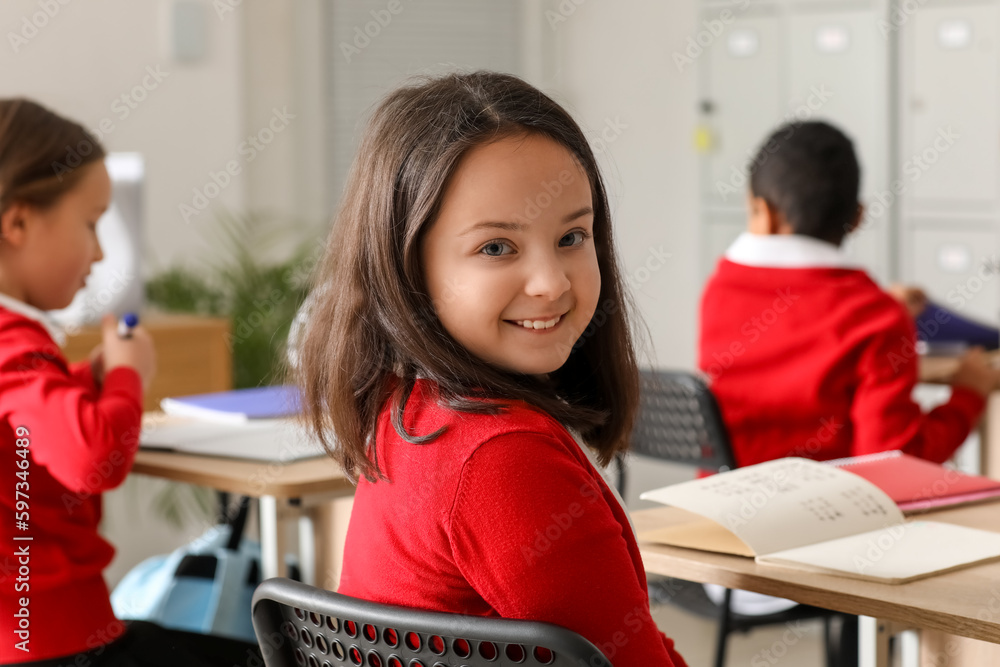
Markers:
940,326
238,406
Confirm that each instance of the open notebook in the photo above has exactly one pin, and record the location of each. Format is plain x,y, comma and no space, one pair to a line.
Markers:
799,513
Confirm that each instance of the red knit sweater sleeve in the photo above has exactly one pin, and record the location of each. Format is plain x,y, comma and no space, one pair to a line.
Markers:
534,535
75,431
84,374
884,413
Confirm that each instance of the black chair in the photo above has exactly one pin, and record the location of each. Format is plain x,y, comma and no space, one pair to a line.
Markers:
679,421
302,626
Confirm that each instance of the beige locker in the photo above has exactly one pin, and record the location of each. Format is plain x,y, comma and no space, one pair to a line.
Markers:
951,98
957,266
741,99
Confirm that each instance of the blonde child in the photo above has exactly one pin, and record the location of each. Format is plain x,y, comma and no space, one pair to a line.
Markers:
469,320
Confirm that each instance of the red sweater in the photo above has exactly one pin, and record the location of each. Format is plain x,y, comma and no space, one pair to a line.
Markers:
81,441
500,516
820,363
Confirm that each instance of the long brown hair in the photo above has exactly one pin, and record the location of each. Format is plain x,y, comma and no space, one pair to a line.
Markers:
373,328
41,153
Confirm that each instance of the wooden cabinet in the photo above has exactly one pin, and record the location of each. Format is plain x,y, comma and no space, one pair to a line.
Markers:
192,354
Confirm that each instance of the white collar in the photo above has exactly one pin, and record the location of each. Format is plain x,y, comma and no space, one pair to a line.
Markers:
786,251
32,313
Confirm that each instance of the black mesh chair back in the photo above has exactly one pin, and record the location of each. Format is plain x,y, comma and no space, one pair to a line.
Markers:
302,626
679,421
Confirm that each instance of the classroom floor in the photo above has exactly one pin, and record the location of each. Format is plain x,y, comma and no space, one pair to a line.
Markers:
764,647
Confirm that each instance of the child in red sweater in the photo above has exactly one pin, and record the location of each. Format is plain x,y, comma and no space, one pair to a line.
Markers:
469,319
807,356
67,431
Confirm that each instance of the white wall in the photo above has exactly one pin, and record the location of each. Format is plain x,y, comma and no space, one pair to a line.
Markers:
88,54
615,70
284,68
609,62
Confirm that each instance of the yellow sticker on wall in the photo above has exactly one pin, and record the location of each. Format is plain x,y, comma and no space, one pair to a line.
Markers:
704,139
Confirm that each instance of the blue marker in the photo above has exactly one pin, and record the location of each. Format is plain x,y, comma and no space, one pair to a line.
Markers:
126,324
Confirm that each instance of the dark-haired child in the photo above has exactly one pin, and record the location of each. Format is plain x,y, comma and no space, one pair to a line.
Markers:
68,432
806,354
454,350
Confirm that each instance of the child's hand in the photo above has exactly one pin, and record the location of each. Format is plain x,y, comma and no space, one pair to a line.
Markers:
976,372
913,298
97,364
136,352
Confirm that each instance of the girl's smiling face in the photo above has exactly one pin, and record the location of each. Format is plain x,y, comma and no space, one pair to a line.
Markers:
510,262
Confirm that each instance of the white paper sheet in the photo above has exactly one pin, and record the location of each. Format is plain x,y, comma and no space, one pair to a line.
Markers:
895,554
265,439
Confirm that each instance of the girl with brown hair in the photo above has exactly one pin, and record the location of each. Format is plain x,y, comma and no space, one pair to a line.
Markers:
469,318
68,432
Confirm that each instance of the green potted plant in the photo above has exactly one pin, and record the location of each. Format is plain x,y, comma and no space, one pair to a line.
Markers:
259,297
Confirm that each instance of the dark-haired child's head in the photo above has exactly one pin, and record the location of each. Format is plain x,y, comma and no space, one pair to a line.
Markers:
460,182
805,180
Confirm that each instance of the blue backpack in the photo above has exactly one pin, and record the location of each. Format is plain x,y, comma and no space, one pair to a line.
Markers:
205,586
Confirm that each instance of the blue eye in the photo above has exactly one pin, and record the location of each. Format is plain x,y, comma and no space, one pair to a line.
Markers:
576,237
495,249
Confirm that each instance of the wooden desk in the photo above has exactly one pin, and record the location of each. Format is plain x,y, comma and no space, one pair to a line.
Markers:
965,602
295,491
938,370
192,352
297,479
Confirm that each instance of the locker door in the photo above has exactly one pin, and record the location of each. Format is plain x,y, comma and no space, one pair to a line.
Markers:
741,87
957,269
952,85
838,73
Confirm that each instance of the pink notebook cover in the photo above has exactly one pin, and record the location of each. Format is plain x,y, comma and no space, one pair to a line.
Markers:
916,485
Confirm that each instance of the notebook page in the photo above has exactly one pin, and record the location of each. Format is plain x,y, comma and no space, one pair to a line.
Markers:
785,503
895,554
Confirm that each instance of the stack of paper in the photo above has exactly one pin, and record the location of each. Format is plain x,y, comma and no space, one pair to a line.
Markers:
245,423
280,440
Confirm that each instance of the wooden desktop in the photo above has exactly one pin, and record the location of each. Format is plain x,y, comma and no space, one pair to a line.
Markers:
963,603
938,370
957,602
